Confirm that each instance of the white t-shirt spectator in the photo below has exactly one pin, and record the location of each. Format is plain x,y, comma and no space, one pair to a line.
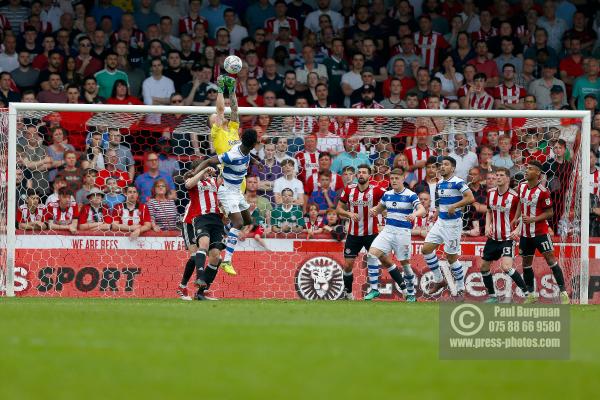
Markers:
353,79
162,88
464,164
294,184
312,20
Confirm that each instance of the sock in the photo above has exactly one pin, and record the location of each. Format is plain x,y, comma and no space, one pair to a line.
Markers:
200,259
210,273
187,272
529,279
514,274
434,266
409,277
488,281
373,272
395,274
558,276
459,276
348,279
230,242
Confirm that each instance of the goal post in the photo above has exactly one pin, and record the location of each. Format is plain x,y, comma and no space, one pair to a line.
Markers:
372,123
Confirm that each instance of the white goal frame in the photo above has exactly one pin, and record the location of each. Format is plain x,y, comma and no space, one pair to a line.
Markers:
584,116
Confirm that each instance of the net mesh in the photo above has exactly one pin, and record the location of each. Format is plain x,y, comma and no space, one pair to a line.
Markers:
3,197
56,257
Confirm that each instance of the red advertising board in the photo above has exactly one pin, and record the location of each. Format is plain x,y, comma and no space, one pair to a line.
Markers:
151,267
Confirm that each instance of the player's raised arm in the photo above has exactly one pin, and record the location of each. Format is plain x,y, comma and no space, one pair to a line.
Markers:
209,162
197,177
234,117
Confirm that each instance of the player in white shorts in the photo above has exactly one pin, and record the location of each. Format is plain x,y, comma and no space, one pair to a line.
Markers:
451,194
403,207
235,167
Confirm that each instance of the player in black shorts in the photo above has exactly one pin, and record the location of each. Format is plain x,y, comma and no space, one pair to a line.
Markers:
204,234
502,204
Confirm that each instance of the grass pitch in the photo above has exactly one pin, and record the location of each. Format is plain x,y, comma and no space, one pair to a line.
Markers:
169,349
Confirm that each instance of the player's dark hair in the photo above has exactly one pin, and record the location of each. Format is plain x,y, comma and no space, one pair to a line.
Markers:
364,166
249,138
450,160
536,164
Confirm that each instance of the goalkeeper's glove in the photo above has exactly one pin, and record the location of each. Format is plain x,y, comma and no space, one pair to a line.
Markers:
221,83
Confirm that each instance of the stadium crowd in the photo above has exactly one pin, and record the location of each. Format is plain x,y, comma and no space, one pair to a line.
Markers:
470,54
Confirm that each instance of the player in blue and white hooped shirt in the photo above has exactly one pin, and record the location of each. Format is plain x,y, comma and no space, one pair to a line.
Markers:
403,207
235,162
452,194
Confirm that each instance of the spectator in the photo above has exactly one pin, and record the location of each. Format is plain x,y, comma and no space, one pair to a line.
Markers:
540,88
257,14
270,80
509,95
590,103
107,77
399,72
334,225
348,175
6,94
287,216
410,180
70,172
353,78
540,45
289,95
450,79
126,161
175,71
586,84
32,155
558,174
323,195
571,66
314,221
30,216
268,170
62,215
195,91
503,158
281,148
85,64
532,151
307,66
418,155
288,181
236,31
162,208
486,152
285,40
40,61
554,26
507,55
394,100
57,150
581,30
145,182
367,93
24,76
594,196
131,216
54,93
429,183
9,59
422,225
312,181
475,181
465,159
477,97
263,204
166,28
90,91
193,18
94,153
111,171
484,65
114,194
95,216
120,94
429,44
58,184
351,156
557,98
89,179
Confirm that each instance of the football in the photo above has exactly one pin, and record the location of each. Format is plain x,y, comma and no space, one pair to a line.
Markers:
232,64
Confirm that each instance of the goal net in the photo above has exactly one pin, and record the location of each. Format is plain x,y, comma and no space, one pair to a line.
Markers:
134,159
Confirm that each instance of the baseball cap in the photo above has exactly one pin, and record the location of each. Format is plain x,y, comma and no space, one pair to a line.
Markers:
367,88
556,89
592,95
212,87
197,66
284,25
95,191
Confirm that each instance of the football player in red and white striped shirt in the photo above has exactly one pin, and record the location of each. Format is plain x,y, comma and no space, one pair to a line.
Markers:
355,203
131,216
203,231
62,215
477,97
534,213
31,215
509,95
502,204
428,43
